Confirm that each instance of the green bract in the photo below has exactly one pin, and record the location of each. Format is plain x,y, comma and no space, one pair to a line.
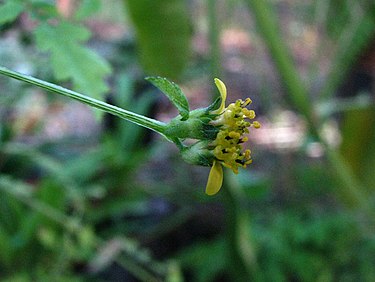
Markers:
211,136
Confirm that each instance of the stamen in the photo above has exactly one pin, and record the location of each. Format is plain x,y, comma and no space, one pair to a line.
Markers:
233,126
256,124
247,102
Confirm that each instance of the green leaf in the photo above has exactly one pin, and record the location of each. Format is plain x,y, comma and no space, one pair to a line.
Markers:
163,33
10,11
174,94
70,59
87,9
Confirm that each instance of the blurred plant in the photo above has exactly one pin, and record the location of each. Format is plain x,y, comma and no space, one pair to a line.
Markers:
309,248
279,246
291,246
163,33
63,39
350,189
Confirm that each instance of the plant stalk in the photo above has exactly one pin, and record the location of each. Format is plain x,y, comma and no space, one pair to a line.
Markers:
240,243
149,123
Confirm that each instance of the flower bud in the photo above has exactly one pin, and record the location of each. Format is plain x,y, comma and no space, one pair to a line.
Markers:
196,127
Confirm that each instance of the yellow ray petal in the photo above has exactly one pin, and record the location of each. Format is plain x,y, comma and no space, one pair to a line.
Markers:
215,179
223,93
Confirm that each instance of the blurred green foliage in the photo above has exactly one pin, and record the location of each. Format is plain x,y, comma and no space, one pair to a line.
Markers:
163,34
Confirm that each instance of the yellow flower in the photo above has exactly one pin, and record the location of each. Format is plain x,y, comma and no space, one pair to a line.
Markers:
233,124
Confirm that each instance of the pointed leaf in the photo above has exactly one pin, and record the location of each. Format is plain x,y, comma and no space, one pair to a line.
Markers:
70,59
174,94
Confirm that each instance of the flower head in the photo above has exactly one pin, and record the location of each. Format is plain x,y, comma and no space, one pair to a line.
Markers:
233,122
218,131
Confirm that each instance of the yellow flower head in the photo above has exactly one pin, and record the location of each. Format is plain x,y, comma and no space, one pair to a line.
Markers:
233,123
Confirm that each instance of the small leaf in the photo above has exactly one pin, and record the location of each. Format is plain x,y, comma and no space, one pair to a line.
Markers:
174,94
70,59
10,11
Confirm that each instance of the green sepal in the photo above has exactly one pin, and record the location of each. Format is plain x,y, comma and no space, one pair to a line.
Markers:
204,113
196,127
198,154
214,105
174,94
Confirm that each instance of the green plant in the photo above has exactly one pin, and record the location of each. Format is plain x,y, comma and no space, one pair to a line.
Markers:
163,32
63,39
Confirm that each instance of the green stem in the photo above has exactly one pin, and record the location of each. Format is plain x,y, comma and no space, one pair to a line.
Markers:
351,188
239,240
351,195
213,35
149,123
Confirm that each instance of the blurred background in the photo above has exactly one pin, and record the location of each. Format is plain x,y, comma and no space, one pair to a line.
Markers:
88,197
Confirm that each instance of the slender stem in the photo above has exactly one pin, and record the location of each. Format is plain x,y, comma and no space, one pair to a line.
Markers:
149,123
241,248
351,196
